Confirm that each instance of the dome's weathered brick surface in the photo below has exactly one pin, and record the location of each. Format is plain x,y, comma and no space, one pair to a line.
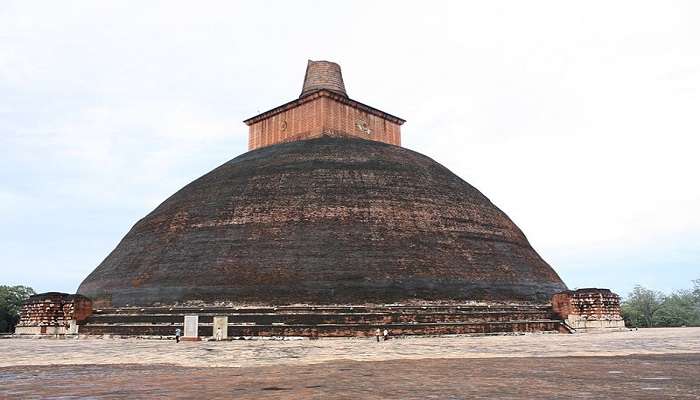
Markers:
324,221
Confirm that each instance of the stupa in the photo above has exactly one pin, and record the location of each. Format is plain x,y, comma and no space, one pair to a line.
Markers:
326,208
325,227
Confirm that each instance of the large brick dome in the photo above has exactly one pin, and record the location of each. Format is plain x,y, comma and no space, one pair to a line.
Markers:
323,221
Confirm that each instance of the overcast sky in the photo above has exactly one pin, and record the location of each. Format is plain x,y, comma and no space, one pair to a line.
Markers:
579,120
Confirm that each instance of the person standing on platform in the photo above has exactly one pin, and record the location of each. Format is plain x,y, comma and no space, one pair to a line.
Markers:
378,333
218,334
177,335
386,335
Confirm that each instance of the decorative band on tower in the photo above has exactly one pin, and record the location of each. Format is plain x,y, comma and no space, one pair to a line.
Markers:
323,108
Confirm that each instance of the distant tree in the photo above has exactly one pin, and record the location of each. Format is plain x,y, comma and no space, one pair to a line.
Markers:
11,298
680,308
641,305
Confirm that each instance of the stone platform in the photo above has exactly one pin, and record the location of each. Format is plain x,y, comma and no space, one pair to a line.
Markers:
67,314
328,321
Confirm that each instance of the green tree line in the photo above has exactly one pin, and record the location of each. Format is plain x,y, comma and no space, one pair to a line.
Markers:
11,298
650,308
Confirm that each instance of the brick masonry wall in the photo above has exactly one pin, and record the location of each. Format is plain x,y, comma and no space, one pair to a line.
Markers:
343,118
54,309
324,221
588,308
358,330
323,75
320,114
296,123
431,318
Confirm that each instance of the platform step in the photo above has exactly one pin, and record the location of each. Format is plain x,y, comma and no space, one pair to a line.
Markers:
332,330
328,318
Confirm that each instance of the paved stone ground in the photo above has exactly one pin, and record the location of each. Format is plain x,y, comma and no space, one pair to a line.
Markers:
642,377
657,363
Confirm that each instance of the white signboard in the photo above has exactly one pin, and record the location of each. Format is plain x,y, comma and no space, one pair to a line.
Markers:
191,325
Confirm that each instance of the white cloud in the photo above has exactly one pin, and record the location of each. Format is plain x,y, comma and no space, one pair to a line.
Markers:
579,121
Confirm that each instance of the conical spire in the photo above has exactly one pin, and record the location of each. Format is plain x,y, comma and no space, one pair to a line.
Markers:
323,75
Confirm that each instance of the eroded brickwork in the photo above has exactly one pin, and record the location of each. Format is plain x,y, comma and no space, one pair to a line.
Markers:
588,308
317,321
323,75
53,313
324,221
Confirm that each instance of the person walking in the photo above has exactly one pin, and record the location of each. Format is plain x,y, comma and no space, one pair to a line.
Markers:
378,333
177,335
218,334
386,335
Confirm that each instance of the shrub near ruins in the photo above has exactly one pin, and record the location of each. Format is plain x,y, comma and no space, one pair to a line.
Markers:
11,298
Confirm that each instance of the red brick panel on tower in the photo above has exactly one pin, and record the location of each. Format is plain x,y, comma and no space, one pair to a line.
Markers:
322,113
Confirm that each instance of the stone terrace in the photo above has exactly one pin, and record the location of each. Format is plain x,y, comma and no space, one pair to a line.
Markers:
328,320
249,353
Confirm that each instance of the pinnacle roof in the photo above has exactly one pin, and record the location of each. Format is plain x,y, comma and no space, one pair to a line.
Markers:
327,93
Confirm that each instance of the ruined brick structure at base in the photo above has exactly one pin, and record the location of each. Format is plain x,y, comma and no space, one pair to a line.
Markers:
53,314
586,309
569,311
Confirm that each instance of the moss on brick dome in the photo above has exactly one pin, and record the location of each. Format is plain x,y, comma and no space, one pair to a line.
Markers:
323,221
